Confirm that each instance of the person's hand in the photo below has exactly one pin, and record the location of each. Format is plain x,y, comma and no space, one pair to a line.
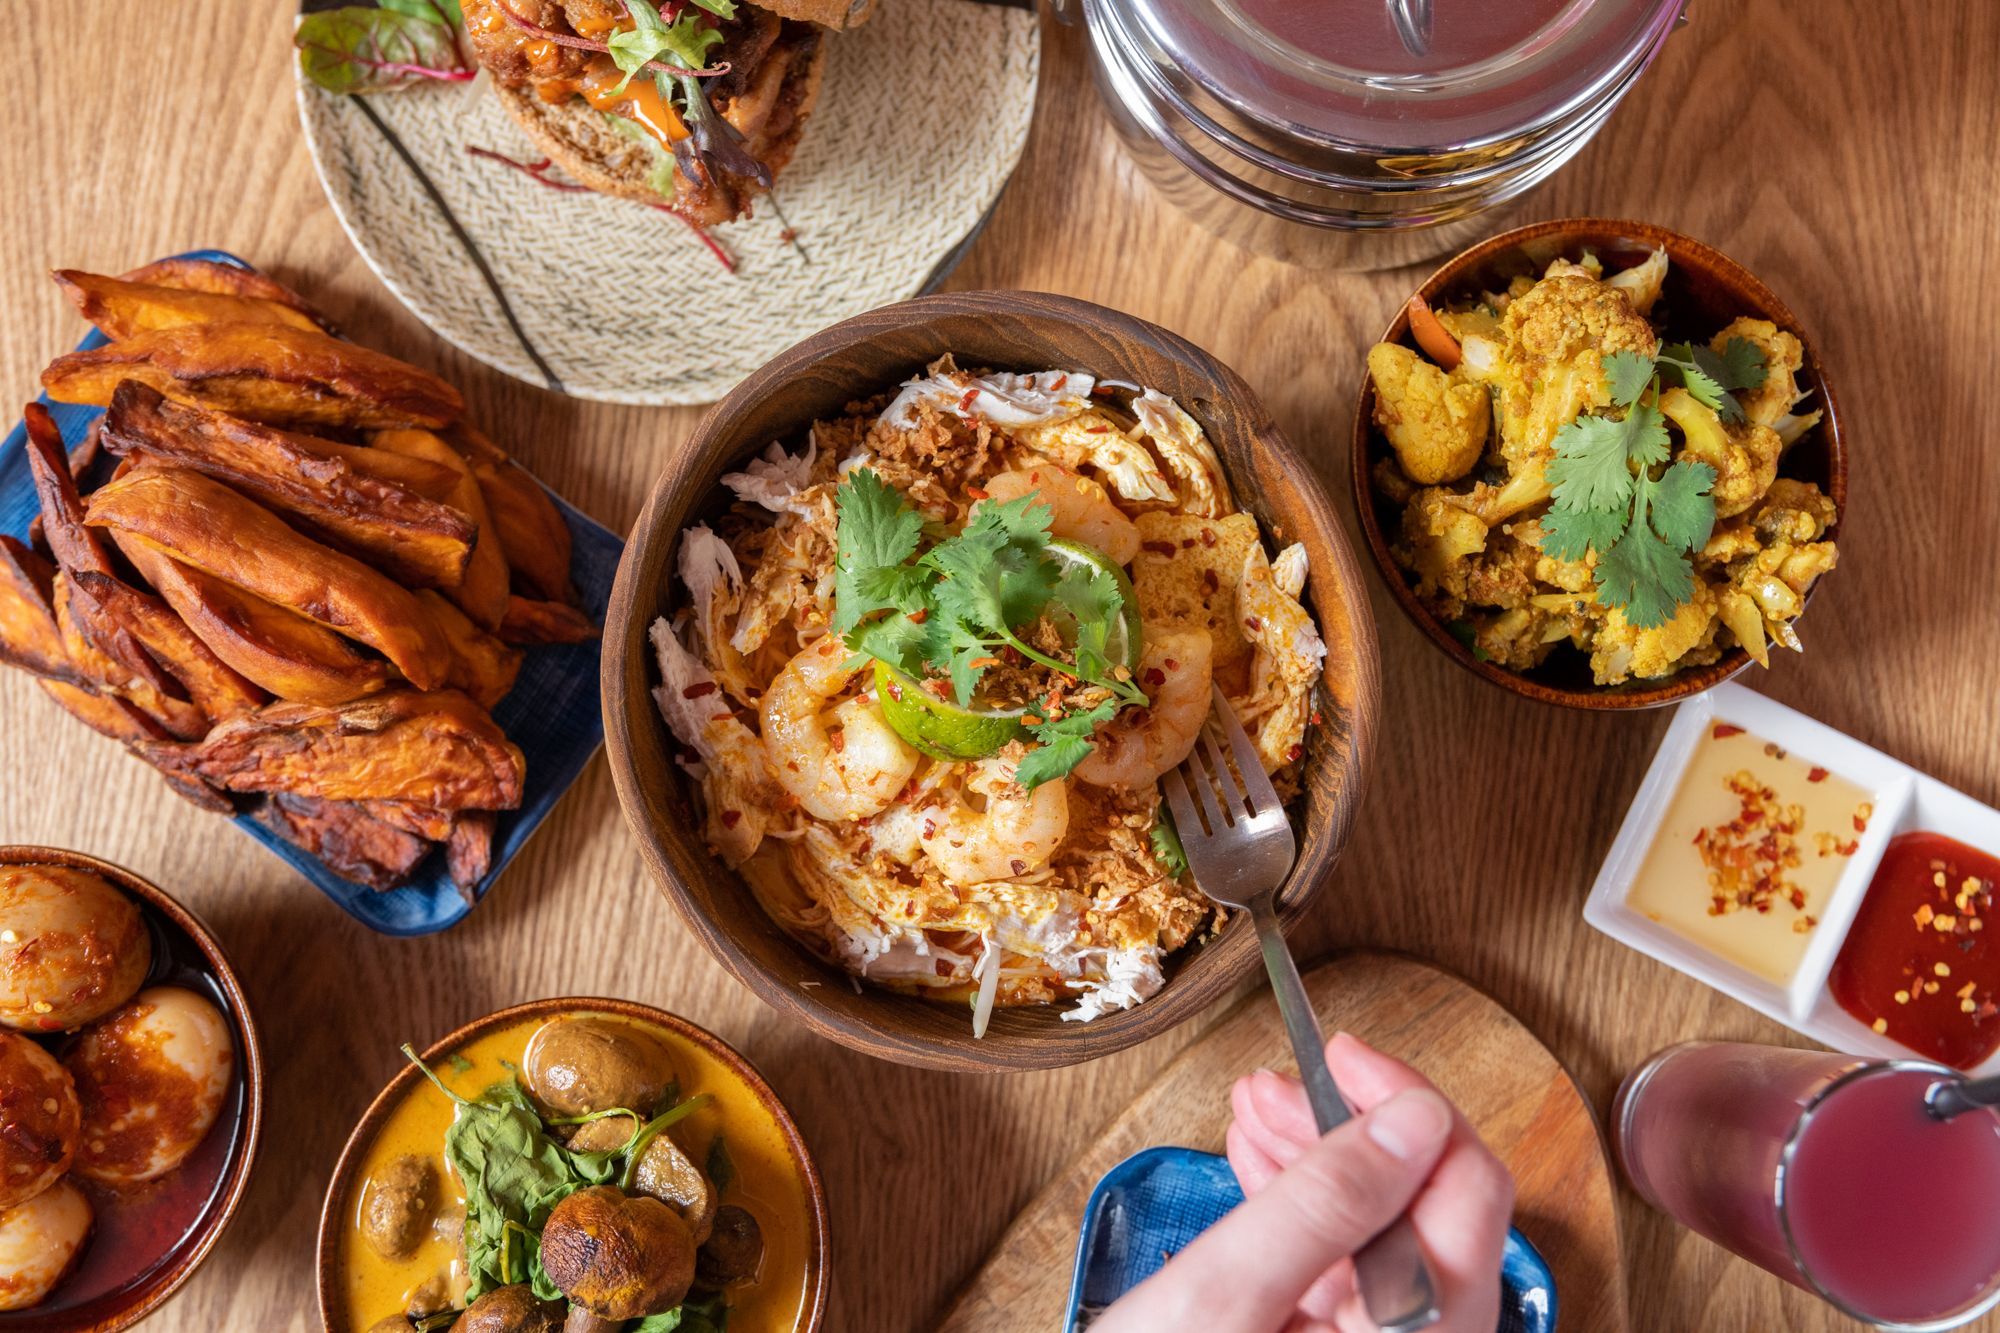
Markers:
1281,1261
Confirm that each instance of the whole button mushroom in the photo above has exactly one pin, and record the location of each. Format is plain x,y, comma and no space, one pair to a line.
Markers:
39,1242
616,1257
512,1309
734,1251
72,948
577,1066
664,1172
40,1118
400,1202
151,1077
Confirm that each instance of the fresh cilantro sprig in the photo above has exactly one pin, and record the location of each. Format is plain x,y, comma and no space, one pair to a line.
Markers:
1606,498
952,608
1710,377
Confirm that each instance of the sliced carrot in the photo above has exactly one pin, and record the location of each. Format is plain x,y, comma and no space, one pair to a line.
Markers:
1438,344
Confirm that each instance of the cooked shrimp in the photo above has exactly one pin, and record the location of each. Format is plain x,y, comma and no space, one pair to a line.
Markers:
1139,745
1017,832
843,762
1080,509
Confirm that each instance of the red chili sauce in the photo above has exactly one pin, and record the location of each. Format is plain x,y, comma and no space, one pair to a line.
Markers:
1920,966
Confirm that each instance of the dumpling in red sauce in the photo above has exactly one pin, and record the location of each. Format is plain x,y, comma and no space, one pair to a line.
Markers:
39,1243
39,1119
151,1077
72,948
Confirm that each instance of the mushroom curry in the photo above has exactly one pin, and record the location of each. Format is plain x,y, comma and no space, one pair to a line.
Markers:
582,1173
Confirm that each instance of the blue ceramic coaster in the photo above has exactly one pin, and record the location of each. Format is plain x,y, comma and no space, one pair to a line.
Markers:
553,712
1151,1205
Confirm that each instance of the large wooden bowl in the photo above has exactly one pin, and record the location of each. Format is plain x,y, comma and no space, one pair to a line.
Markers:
818,378
343,1190
1705,289
188,945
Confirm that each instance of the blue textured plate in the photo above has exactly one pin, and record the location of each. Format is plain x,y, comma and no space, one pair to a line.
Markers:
1151,1205
553,713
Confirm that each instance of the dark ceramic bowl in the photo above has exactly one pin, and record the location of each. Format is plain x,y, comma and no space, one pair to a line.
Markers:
1705,289
818,378
343,1189
185,953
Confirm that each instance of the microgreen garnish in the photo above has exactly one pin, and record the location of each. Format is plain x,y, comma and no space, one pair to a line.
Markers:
377,48
687,40
953,608
1167,849
1607,496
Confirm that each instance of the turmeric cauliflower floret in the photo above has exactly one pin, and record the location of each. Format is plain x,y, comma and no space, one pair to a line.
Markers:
1744,455
1504,574
1783,358
1550,365
1624,651
1518,639
1435,421
1439,538
1794,511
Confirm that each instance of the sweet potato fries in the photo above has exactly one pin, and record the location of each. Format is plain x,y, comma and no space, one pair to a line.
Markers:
286,572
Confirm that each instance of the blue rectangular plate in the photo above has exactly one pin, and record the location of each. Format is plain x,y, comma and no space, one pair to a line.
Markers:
553,712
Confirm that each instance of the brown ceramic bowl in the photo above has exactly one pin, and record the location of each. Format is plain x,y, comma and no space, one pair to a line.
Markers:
1705,289
184,953
342,1190
818,378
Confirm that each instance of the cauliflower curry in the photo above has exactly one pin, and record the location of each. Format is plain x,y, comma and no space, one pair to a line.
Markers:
934,663
1566,477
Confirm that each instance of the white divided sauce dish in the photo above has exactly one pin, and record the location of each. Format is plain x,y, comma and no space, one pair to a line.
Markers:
1904,800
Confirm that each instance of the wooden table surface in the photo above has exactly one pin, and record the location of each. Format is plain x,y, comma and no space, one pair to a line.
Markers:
1844,153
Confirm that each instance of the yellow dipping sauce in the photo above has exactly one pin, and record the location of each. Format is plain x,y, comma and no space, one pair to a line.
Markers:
1750,851
765,1180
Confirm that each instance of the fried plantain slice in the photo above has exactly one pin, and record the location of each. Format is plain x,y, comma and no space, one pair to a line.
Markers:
212,684
532,531
437,748
121,308
531,622
481,665
111,661
74,545
206,275
29,638
482,594
267,372
468,853
276,649
343,836
419,542
203,523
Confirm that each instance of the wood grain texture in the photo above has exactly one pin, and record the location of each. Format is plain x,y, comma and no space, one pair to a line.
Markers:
1512,1090
1704,290
1844,152
870,354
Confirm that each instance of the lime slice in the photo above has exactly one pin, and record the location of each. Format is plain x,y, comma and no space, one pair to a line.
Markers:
1126,639
941,728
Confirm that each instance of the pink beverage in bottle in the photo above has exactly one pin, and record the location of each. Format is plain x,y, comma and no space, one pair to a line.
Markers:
1826,1170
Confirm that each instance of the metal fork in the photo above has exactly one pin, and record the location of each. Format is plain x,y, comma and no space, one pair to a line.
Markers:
1241,847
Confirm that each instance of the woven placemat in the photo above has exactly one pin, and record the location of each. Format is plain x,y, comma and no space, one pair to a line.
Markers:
924,112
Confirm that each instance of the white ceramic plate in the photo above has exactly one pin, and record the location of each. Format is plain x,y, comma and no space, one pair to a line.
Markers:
923,114
1905,801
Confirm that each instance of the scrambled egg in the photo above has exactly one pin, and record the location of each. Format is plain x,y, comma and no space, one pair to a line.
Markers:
1471,449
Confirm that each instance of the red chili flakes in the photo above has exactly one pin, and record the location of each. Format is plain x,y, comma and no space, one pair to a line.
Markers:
1187,543
1018,866
1750,858
1155,676
837,741
1172,665
1209,583
1208,538
1816,774
1295,753
979,492
930,829
1724,730
1159,548
1252,624
1096,430
965,403
920,615
1010,655
895,691
731,818
981,663
699,688
1056,385
1316,718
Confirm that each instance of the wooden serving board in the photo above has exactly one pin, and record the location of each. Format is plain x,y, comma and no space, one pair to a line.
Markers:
1479,1055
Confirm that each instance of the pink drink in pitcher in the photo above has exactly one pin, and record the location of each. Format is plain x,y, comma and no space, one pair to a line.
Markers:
1826,1170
